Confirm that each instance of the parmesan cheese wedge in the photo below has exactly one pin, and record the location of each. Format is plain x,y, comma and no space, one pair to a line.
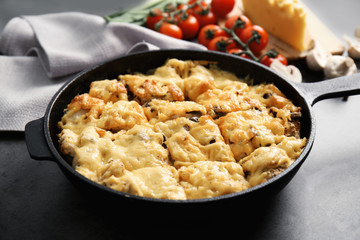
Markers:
284,19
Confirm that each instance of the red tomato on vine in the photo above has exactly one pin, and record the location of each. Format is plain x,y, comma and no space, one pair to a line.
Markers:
260,35
267,60
221,8
205,18
189,27
201,6
208,32
154,17
171,30
202,12
222,44
239,52
242,22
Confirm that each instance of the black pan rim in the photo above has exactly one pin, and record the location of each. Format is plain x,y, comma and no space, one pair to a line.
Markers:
60,160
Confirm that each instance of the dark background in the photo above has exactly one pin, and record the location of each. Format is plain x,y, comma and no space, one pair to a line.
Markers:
321,202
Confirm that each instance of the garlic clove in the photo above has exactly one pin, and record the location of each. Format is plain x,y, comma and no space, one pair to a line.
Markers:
354,47
288,72
338,66
317,57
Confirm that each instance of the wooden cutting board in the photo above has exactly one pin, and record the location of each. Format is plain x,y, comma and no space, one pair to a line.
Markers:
317,30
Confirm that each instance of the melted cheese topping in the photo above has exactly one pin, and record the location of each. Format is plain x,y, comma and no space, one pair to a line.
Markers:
205,179
188,130
190,141
156,182
108,90
162,110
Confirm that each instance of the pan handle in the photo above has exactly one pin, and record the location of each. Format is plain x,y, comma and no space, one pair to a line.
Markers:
336,87
36,142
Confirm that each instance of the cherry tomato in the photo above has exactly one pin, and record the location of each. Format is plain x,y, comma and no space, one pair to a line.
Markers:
266,60
205,18
229,24
221,8
258,45
222,44
189,27
201,6
238,51
202,12
171,30
208,32
154,17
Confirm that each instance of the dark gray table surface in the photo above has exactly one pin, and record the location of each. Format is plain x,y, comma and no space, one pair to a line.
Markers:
321,202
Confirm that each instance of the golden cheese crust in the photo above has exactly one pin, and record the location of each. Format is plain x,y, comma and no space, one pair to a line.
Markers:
247,130
163,110
188,130
211,179
190,141
155,182
108,90
145,88
122,115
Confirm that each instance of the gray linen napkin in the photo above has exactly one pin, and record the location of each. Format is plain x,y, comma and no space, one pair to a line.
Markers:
40,53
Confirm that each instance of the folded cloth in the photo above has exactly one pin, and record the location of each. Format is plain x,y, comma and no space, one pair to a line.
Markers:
41,52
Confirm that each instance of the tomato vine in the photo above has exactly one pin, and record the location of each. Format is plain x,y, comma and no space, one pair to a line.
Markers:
186,19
